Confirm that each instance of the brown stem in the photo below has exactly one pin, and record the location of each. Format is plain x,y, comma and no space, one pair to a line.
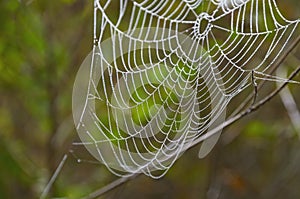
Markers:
225,124
274,67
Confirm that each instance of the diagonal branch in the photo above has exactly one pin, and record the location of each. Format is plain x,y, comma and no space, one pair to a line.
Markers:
225,124
110,187
274,67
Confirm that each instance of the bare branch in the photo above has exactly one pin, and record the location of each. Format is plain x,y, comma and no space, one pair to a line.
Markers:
110,187
53,178
290,104
254,87
274,67
225,124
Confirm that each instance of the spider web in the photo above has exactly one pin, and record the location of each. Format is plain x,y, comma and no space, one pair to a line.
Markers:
162,73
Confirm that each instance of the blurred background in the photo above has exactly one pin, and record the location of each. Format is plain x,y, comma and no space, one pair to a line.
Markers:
42,44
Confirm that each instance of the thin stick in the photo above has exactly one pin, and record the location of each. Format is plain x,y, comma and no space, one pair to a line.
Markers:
275,92
280,60
254,87
290,104
110,186
53,178
225,124
247,111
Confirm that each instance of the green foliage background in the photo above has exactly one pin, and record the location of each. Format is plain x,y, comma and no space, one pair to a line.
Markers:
42,44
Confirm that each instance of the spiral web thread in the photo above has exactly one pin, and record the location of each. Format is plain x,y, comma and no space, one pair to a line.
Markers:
162,73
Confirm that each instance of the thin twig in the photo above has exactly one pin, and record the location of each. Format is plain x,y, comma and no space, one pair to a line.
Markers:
254,87
274,67
110,186
247,111
275,92
225,124
53,178
290,104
